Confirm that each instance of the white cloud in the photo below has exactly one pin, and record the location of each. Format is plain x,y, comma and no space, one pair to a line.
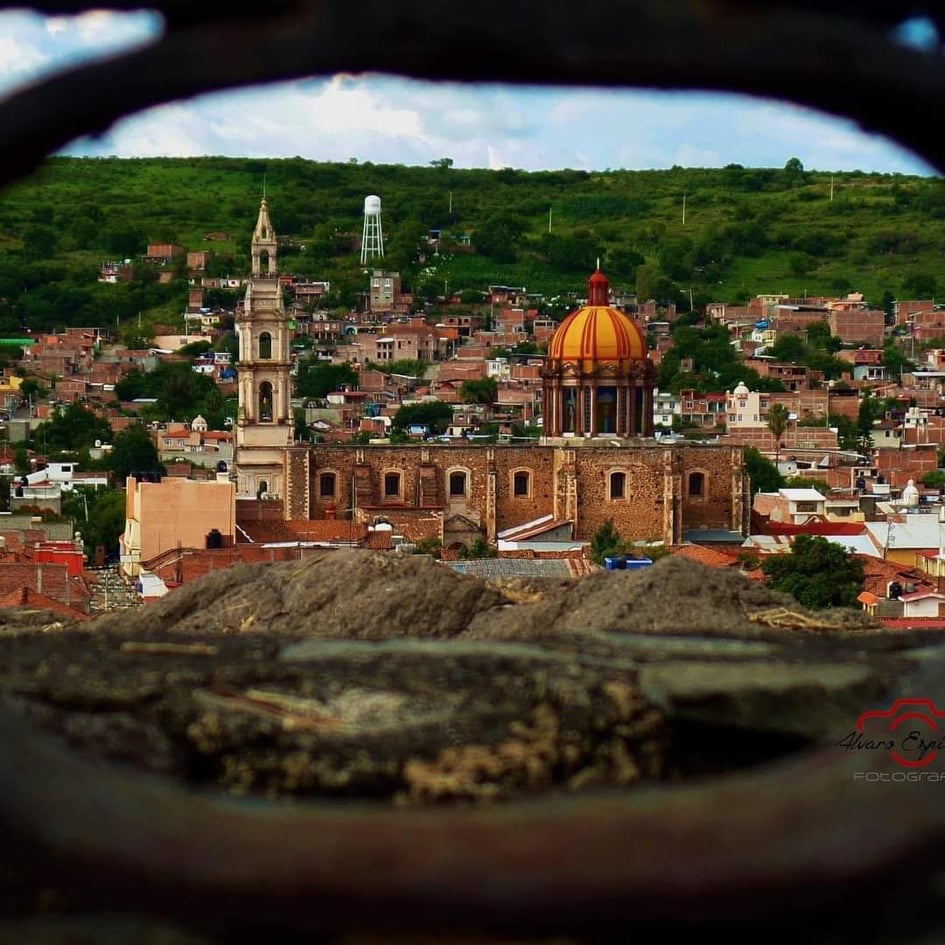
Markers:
20,61
398,120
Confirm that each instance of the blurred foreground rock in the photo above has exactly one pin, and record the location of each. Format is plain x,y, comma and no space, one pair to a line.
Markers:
394,680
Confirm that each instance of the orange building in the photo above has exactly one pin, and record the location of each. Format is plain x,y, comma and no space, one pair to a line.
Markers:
175,513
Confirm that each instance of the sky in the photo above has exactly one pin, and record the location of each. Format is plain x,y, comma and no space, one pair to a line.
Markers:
389,120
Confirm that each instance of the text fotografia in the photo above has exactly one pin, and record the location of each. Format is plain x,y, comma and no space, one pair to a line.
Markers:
909,730
899,777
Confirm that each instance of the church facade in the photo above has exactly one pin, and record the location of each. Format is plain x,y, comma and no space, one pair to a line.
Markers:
598,460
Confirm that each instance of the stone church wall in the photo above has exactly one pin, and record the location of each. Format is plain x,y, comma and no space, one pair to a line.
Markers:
666,489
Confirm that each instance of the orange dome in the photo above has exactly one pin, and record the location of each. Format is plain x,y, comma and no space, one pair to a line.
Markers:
597,332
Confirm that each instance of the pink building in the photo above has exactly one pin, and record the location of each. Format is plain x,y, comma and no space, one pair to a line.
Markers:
171,513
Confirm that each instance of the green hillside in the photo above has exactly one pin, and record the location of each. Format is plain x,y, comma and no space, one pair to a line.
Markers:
723,234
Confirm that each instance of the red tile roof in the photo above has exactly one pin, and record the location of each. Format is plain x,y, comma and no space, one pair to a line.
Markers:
913,623
814,528
877,574
707,556
26,597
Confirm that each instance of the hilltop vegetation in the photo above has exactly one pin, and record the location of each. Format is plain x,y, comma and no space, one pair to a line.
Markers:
719,234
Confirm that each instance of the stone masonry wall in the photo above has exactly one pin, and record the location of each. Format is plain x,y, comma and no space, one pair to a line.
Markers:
668,488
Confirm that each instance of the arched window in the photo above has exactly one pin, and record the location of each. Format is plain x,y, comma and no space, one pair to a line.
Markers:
326,485
570,410
618,485
697,484
520,483
265,346
392,485
265,401
457,484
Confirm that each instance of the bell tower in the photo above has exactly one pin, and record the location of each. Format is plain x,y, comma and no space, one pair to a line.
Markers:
265,425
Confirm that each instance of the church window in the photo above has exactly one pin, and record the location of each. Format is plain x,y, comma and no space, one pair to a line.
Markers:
570,406
326,485
265,346
520,484
697,484
265,402
618,485
457,484
392,485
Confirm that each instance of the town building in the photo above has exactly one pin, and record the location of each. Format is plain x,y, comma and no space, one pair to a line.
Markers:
162,514
597,461
264,428
598,379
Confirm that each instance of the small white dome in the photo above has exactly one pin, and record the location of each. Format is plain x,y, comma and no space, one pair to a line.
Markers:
910,495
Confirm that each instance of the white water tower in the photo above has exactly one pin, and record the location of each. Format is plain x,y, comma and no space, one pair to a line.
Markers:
372,239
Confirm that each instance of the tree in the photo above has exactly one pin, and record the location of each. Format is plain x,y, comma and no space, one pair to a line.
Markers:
39,242
788,347
762,472
816,572
934,479
31,388
99,514
407,367
483,390
433,414
606,542
867,413
133,450
480,549
895,362
778,416
848,434
70,430
319,378
805,482
794,166
498,237
300,430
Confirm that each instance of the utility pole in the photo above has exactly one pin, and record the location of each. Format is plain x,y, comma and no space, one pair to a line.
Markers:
683,209
549,219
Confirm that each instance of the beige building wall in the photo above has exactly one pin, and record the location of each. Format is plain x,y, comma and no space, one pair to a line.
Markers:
160,516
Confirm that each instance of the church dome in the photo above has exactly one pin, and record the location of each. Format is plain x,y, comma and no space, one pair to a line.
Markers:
597,332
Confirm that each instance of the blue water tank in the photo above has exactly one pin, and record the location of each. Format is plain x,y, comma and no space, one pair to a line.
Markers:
634,564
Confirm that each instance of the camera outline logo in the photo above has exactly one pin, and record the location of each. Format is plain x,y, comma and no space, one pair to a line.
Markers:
906,710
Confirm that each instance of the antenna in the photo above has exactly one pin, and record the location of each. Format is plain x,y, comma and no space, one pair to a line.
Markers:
372,239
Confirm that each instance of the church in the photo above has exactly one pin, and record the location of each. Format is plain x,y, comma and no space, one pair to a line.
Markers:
598,459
